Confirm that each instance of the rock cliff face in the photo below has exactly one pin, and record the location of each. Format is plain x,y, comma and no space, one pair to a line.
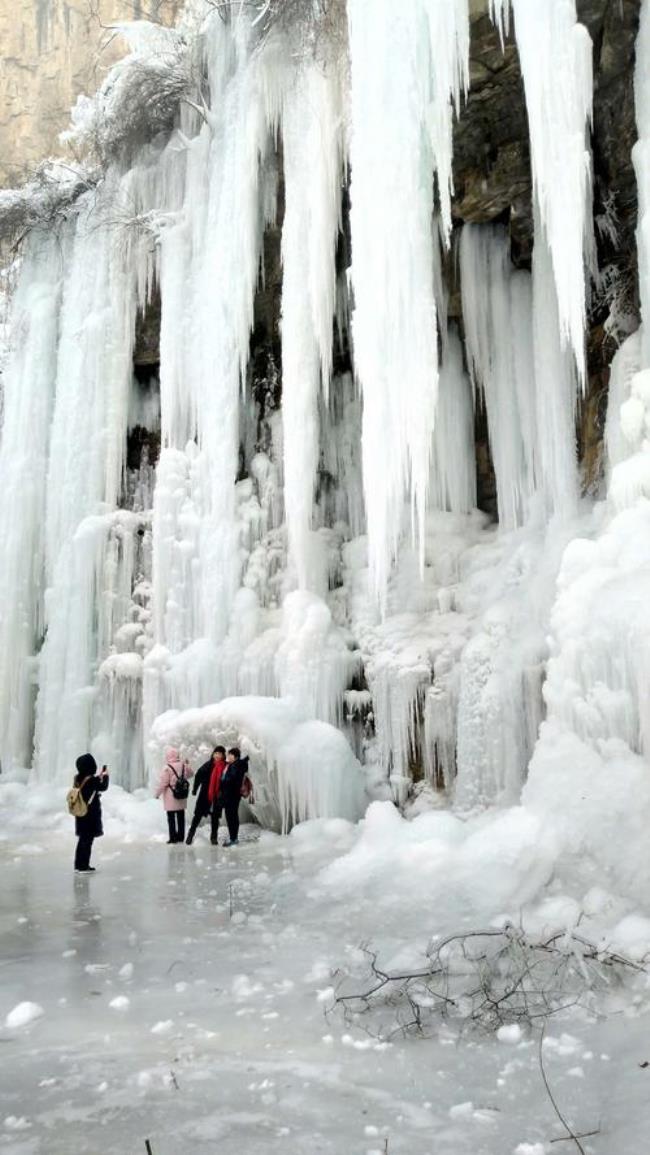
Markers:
52,50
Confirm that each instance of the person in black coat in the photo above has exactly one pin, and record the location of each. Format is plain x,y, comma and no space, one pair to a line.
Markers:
90,826
206,785
230,791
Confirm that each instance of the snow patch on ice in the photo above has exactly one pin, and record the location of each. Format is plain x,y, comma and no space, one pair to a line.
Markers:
23,1014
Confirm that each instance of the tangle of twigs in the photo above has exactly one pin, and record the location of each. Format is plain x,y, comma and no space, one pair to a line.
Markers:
483,979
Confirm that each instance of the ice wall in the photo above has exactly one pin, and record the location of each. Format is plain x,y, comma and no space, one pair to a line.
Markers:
87,441
589,773
28,389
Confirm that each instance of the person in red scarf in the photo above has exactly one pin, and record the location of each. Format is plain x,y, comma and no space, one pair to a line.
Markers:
207,781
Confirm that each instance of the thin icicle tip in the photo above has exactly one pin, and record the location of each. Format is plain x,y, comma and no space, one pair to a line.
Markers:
500,15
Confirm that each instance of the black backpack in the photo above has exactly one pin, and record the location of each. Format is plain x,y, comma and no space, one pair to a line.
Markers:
181,787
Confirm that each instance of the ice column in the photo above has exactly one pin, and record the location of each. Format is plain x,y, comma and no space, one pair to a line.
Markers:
514,350
122,597
176,605
453,467
28,383
94,372
555,54
401,113
180,241
311,135
210,254
88,438
313,665
245,109
341,456
556,393
448,24
490,340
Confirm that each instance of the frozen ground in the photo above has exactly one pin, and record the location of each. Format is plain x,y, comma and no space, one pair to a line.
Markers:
167,1018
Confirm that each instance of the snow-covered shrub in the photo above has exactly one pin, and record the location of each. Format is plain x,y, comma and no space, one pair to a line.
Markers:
140,97
45,199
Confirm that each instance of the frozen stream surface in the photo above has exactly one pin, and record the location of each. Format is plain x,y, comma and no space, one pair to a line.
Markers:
165,1018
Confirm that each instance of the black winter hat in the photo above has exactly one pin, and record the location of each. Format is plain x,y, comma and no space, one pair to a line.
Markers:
86,765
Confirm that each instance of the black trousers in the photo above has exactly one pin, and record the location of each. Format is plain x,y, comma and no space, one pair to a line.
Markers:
176,823
232,818
199,814
83,851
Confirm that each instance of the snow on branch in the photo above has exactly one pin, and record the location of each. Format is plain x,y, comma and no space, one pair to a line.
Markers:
46,198
306,23
140,97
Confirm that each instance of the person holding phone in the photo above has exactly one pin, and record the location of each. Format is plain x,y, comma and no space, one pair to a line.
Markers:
91,785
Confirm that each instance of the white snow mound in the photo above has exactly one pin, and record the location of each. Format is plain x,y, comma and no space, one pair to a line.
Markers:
22,1014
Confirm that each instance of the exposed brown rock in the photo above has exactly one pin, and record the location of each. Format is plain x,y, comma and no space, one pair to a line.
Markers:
53,50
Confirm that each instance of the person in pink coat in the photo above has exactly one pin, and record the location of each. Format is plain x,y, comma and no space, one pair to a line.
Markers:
174,781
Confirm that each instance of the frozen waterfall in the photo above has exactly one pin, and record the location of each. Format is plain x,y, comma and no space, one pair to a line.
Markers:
284,508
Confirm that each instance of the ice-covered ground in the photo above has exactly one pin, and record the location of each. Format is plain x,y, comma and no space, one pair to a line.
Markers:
183,992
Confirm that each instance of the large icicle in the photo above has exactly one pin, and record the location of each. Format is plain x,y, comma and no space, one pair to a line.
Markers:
311,128
453,467
514,350
28,385
448,22
400,118
209,268
246,108
555,392
555,54
490,340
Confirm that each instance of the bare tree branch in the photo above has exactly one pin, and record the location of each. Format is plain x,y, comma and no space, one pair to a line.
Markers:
484,979
569,1130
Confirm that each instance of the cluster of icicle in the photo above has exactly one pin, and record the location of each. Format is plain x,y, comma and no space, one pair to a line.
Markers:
115,608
